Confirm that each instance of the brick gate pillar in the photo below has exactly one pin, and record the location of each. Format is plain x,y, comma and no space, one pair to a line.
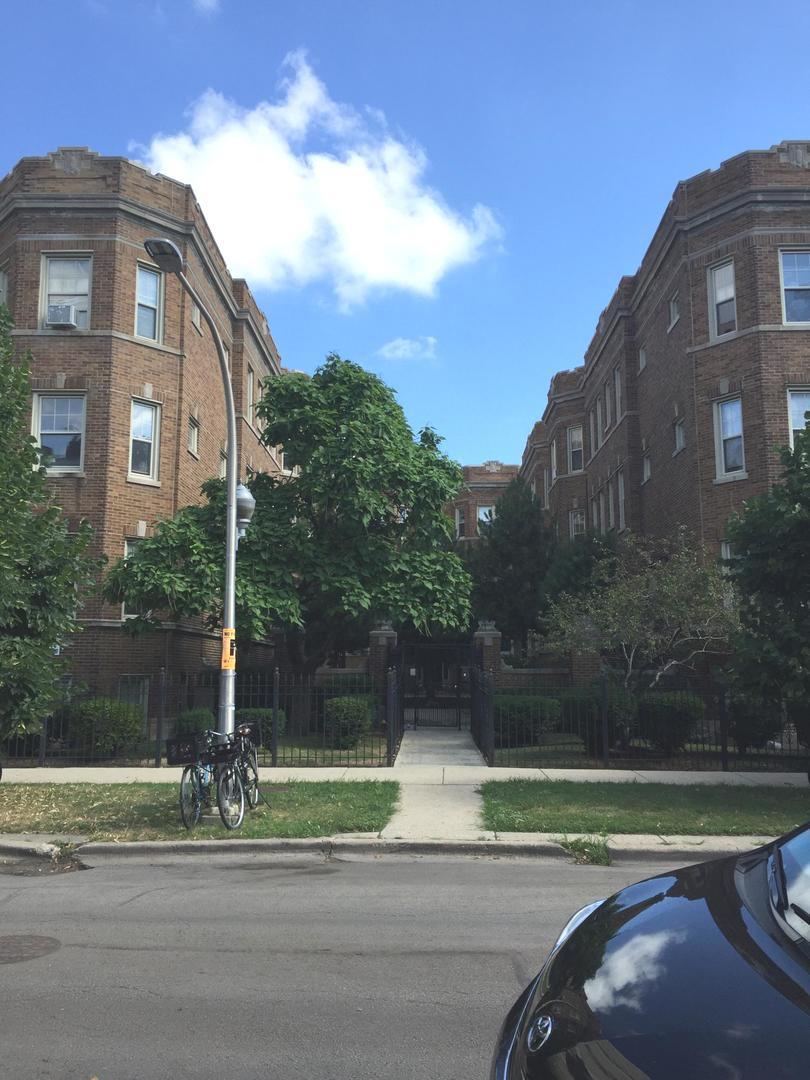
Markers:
487,646
381,643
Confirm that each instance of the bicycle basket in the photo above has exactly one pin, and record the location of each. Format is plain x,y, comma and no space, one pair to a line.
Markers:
186,749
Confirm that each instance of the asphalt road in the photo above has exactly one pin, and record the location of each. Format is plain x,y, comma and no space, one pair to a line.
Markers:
390,967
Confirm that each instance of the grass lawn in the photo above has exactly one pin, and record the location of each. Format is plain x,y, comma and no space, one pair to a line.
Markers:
301,751
562,806
151,811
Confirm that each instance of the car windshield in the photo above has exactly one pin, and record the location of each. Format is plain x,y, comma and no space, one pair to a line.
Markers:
795,869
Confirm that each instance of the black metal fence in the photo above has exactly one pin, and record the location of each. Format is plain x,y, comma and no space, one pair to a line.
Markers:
344,719
669,727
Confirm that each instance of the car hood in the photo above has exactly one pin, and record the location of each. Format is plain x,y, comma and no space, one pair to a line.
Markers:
674,977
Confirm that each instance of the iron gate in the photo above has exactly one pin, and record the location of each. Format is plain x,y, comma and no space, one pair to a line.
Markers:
435,682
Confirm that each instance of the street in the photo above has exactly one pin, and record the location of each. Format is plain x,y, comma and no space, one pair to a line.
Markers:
396,967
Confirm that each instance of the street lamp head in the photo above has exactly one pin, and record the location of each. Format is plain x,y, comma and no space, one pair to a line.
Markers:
245,505
165,254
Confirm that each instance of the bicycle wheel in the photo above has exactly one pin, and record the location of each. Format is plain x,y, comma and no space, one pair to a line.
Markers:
190,803
251,779
230,797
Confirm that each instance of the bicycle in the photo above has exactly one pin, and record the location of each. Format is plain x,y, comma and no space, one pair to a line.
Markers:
228,761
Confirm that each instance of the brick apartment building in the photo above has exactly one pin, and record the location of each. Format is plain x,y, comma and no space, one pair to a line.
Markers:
478,496
700,365
127,392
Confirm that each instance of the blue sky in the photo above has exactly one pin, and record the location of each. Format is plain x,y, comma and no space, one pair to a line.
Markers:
446,192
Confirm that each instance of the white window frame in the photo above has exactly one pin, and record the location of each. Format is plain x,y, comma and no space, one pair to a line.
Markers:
721,475
250,395
147,268
553,461
791,391
130,543
646,466
227,352
461,522
592,424
608,406
642,358
574,517
783,287
193,436
49,257
679,435
153,477
223,464
36,428
600,428
617,390
620,487
575,449
714,333
674,309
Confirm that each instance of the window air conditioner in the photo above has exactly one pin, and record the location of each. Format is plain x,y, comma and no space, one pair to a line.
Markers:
61,316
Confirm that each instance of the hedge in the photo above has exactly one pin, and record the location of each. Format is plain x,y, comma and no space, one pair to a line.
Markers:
104,726
667,718
521,719
347,720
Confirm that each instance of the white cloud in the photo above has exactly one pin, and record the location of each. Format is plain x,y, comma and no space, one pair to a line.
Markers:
307,189
423,348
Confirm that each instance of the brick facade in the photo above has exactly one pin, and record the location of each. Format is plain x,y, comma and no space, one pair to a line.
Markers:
483,485
76,203
664,370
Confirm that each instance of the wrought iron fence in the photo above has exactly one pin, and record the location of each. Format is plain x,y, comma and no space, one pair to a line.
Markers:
344,719
669,727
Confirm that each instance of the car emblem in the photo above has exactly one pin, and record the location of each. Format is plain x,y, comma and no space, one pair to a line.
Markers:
540,1033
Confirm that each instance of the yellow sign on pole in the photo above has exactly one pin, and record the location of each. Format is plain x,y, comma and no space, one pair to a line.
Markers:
228,649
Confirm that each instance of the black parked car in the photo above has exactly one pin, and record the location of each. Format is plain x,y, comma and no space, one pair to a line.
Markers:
694,974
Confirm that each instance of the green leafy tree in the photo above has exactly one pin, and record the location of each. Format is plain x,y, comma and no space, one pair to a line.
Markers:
771,567
509,563
654,608
43,565
356,533
572,565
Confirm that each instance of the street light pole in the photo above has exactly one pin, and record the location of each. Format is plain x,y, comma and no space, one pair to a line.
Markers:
167,256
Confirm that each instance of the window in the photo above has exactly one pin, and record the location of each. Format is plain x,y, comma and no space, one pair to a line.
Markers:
728,438
617,389
726,551
679,430
796,285
600,431
646,468
610,510
193,435
594,514
575,448
251,395
196,317
129,549
147,316
67,281
602,519
227,352
576,523
722,300
460,523
674,310
620,482
592,423
134,689
553,460
533,488
486,515
58,422
799,401
608,406
642,358
546,486
223,465
143,441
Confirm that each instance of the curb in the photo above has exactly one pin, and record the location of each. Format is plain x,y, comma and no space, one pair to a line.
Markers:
331,847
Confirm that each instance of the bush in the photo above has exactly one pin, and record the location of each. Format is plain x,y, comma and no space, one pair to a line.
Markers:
263,719
521,719
582,714
667,718
347,720
751,723
103,726
199,719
